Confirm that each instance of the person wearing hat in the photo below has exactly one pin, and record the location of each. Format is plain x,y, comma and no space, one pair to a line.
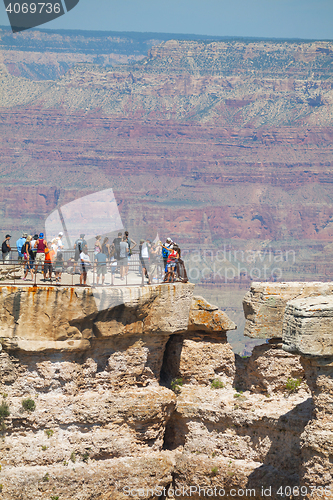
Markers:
79,245
59,241
19,245
40,255
6,248
166,249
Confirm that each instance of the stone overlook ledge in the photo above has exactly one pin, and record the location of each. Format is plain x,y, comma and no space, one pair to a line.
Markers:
50,319
139,388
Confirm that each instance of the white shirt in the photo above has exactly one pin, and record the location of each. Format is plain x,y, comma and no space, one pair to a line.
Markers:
144,251
85,257
59,242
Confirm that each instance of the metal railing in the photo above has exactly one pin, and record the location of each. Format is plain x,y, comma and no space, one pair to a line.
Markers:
13,271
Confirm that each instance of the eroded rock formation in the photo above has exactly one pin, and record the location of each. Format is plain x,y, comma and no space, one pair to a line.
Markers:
154,399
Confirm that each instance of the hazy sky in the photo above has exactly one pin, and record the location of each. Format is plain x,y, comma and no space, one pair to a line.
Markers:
256,18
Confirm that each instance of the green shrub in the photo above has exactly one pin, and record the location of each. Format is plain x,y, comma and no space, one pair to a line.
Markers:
44,448
1,488
55,497
176,384
29,404
49,432
73,457
46,478
85,456
293,384
4,411
217,384
215,471
238,394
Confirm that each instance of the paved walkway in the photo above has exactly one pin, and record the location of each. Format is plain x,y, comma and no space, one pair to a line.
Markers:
133,278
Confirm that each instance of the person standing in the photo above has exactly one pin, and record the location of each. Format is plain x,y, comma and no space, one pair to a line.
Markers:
29,263
19,245
48,260
98,245
85,264
6,248
33,244
100,261
116,243
40,255
58,266
78,247
123,257
144,259
59,241
166,249
171,265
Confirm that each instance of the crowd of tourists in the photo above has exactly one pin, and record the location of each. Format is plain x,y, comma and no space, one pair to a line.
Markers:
157,260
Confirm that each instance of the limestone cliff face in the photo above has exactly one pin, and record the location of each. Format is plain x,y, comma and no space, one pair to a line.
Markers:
150,396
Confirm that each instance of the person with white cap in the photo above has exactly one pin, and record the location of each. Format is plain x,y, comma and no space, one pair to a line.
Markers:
59,241
166,249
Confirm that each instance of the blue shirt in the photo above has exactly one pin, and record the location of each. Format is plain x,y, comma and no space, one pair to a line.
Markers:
100,258
19,244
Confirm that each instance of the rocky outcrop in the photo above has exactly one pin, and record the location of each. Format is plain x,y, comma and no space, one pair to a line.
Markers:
307,330
264,305
156,399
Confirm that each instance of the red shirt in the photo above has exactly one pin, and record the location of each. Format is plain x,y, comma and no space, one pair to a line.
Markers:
41,246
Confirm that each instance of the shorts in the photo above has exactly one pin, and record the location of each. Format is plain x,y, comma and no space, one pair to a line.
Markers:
123,261
84,267
47,267
29,265
58,268
101,270
40,258
144,263
171,264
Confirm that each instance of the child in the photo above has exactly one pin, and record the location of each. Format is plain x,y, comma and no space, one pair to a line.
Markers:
48,261
58,266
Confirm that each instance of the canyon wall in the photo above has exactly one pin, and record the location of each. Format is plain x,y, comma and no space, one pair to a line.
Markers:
146,399
226,146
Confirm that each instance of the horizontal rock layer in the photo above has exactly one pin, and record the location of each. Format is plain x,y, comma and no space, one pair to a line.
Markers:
264,305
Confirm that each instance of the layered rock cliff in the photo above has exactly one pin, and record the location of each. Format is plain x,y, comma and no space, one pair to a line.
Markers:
146,396
224,144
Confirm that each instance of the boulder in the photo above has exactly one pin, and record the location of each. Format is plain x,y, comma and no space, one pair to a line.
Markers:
308,326
265,303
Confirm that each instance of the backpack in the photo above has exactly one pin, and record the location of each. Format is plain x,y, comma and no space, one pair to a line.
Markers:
117,246
4,247
165,253
181,271
20,248
79,245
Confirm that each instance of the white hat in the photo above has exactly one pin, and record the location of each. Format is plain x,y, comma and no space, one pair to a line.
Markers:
60,234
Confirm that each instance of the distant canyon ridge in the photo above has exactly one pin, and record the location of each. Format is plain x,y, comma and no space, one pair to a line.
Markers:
221,144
